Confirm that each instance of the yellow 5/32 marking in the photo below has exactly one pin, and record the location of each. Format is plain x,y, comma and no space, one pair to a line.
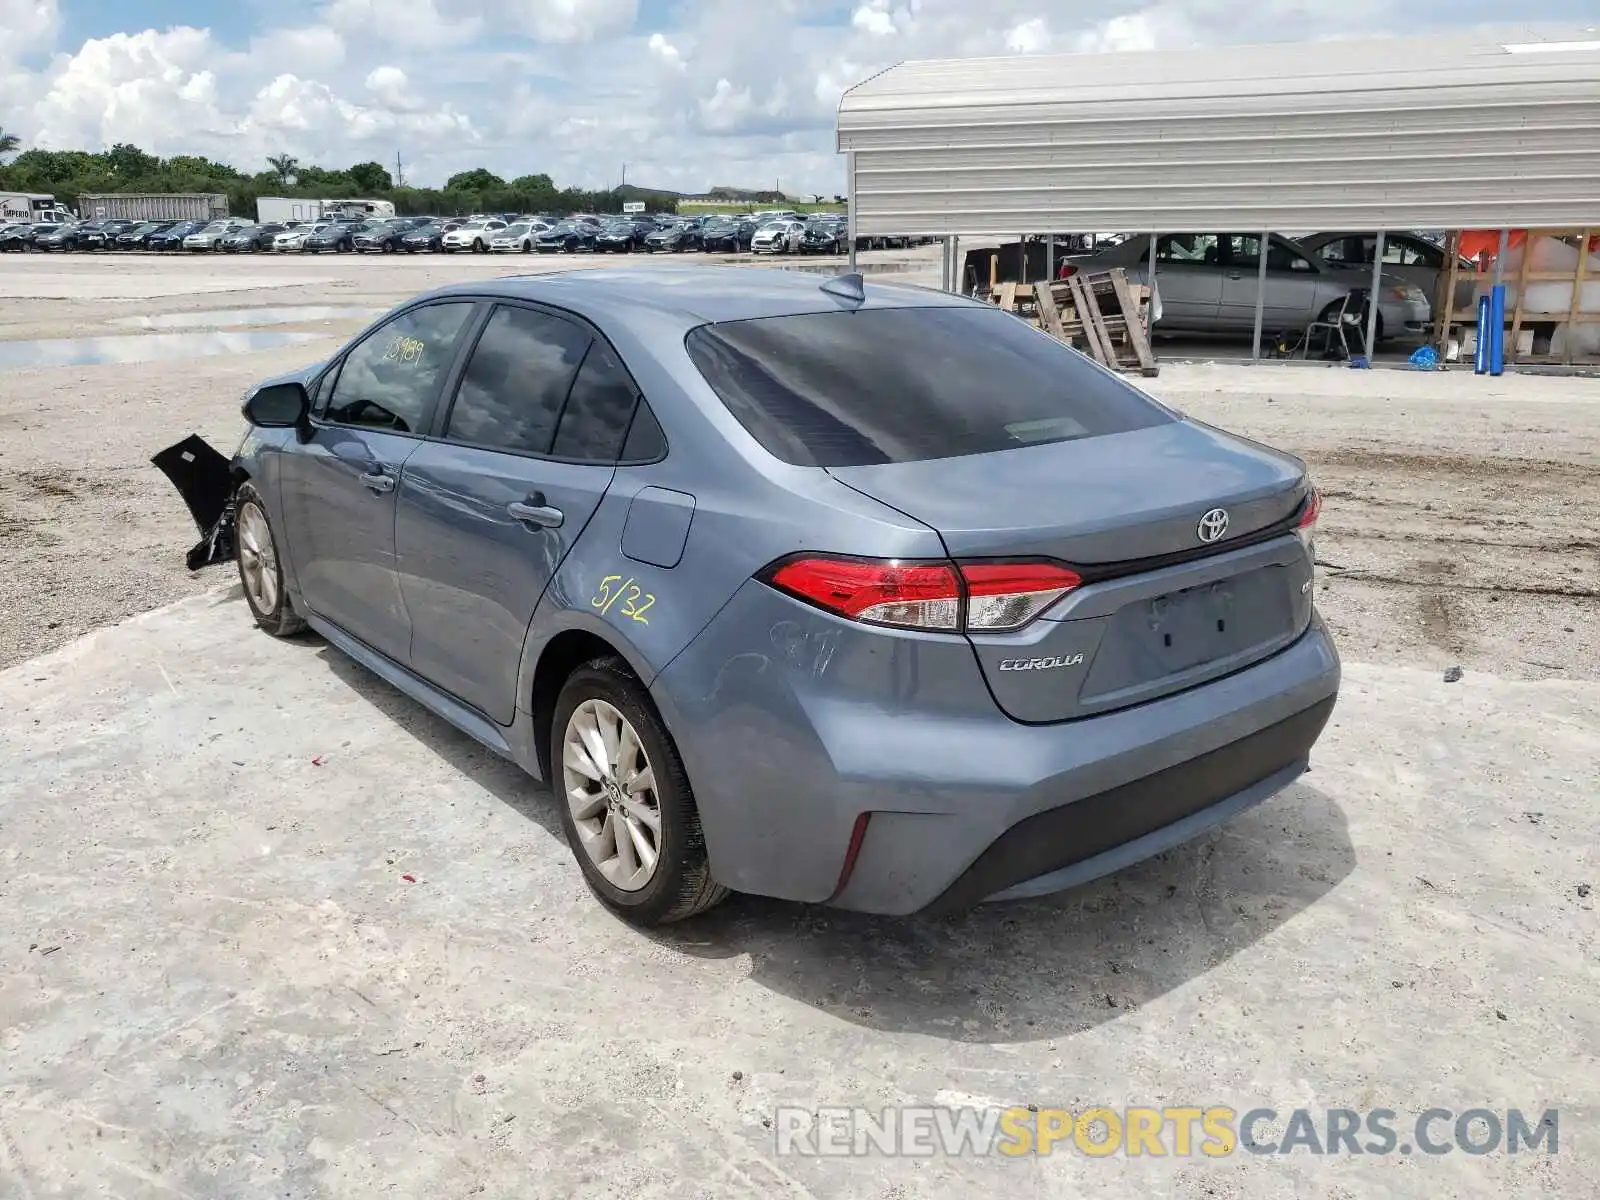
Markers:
635,601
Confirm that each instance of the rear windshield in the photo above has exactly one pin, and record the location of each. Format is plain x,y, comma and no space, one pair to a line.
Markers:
851,389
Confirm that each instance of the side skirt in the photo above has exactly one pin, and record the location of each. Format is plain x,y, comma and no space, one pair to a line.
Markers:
471,722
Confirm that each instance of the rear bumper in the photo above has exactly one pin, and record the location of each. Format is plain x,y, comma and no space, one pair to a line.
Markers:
794,725
1075,843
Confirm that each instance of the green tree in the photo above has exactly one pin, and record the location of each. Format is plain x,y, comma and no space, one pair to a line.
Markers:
129,162
371,177
9,142
478,179
284,166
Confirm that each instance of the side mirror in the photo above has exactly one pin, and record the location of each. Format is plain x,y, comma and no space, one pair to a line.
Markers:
278,406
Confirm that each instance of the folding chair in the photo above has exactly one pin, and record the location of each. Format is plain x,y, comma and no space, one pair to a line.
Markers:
1349,320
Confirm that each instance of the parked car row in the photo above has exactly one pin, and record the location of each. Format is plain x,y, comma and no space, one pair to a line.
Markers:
779,232
1210,282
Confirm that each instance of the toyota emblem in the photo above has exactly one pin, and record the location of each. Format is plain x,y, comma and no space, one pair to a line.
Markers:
1213,525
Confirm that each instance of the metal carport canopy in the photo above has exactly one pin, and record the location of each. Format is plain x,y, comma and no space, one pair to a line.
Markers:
1497,130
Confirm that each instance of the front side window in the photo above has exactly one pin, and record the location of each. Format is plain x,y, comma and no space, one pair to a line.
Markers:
846,389
390,379
516,383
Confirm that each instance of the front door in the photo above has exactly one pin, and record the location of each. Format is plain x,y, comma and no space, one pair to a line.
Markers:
487,514
338,488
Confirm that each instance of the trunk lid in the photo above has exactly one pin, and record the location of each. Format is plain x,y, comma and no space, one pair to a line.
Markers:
1161,609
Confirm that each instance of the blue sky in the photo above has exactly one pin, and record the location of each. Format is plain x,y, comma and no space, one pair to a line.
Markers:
689,93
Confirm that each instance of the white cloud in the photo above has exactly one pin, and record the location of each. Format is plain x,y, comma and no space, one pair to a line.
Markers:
152,89
666,51
572,20
416,23
310,48
392,90
873,19
717,93
1030,37
27,26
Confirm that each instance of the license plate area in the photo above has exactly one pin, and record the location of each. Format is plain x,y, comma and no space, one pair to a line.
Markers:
1149,641
1190,627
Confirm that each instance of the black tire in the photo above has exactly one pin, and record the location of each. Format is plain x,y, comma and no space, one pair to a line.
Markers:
478,247
682,885
280,619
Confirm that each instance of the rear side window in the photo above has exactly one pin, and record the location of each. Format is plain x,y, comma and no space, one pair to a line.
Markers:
595,421
849,389
517,381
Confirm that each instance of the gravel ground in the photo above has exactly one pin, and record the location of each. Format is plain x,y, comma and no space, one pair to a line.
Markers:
1458,527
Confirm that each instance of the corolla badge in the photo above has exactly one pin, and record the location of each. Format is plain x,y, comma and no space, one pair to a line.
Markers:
1213,525
1040,664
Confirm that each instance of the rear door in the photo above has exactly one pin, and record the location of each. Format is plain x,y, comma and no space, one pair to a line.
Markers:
488,511
1189,280
338,486
1291,291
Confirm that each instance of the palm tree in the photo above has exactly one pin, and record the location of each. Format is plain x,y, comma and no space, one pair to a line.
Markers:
285,165
8,142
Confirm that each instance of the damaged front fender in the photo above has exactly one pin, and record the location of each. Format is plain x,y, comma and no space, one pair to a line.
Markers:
205,479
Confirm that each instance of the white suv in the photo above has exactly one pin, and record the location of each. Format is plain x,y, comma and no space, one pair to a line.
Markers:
474,236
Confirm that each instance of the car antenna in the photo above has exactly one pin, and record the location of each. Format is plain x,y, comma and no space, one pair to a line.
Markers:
848,287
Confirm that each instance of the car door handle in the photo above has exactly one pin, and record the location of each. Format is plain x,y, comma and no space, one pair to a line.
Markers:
378,482
534,511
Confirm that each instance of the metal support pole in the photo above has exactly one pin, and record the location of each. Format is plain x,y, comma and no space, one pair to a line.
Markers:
1261,299
1150,284
1049,256
1369,339
948,274
956,282
850,202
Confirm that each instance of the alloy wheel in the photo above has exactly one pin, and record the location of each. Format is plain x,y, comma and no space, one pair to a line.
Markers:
611,791
258,562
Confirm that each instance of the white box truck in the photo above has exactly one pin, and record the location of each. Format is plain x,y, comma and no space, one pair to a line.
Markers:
31,206
280,210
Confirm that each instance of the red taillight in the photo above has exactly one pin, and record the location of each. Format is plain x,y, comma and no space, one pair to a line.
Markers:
882,591
986,597
1307,530
1004,596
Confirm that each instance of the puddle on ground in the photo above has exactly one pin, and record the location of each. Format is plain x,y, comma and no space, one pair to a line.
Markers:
227,317
156,347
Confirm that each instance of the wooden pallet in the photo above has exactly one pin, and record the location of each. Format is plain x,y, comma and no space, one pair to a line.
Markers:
1519,317
1102,312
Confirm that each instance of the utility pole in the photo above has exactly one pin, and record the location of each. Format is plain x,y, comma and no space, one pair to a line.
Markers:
624,182
399,171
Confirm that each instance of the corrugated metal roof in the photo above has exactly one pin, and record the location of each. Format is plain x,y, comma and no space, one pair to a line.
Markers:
1436,133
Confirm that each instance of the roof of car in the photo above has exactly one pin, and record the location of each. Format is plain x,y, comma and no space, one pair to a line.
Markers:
698,295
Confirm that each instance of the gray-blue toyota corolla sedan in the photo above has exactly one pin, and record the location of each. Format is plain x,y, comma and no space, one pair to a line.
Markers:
843,593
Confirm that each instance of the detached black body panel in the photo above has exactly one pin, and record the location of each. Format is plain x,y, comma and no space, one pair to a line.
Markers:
204,478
